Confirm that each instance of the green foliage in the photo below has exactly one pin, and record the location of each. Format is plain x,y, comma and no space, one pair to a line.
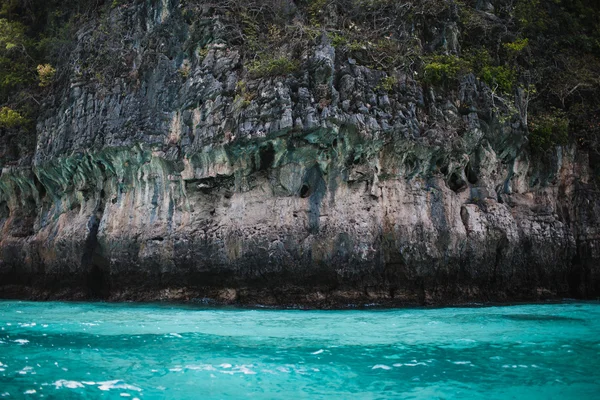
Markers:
315,9
14,63
46,74
442,69
10,118
243,95
387,84
267,66
337,39
517,46
548,130
501,77
532,14
12,36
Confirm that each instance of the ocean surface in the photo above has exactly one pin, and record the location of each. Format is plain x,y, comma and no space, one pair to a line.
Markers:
117,351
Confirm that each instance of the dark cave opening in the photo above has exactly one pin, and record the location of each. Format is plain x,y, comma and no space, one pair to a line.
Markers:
267,156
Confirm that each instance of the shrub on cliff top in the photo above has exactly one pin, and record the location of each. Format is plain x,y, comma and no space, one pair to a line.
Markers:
444,68
10,118
273,66
548,130
501,77
46,74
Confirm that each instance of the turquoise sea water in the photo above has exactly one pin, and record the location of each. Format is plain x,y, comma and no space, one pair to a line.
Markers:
99,350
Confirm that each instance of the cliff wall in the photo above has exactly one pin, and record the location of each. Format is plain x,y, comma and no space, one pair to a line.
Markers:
181,174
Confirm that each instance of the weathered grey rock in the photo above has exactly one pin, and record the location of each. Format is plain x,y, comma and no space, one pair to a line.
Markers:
312,188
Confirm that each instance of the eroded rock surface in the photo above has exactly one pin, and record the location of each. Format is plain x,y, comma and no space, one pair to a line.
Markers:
316,188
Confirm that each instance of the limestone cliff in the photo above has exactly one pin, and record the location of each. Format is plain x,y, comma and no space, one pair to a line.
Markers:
183,175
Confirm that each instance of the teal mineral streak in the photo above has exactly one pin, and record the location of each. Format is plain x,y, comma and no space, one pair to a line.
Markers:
96,350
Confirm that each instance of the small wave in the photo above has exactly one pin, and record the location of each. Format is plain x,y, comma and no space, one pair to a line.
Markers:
68,384
21,341
318,352
410,364
201,367
245,370
109,385
382,366
25,370
31,391
177,335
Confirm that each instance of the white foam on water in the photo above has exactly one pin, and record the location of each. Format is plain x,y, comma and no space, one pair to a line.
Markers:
318,352
21,341
25,370
125,395
27,325
239,369
461,362
5,394
225,365
245,370
201,367
382,366
32,391
227,372
177,369
109,385
177,335
68,384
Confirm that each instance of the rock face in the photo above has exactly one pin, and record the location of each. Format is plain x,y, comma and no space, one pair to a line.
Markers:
185,177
